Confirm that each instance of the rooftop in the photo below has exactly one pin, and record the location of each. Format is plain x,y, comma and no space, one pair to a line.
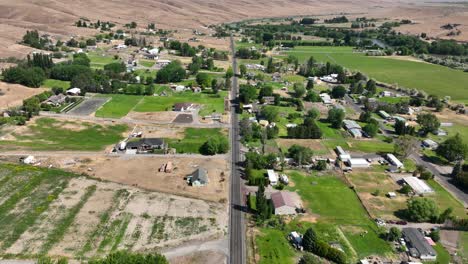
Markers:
417,241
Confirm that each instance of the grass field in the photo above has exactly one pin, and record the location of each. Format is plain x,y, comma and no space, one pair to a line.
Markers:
98,60
210,102
51,83
335,203
273,248
434,79
147,63
53,135
194,139
463,245
443,256
118,106
445,200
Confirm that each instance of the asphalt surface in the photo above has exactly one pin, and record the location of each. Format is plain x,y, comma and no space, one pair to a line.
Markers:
88,106
236,220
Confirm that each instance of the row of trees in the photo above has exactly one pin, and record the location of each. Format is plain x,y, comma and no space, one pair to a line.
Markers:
313,243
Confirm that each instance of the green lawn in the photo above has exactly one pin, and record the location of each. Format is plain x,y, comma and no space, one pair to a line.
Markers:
98,60
194,139
274,248
147,63
463,245
118,106
49,134
434,79
210,102
51,83
335,203
444,199
443,256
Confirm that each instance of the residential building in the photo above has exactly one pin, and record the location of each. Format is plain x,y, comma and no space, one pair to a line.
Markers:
283,203
272,177
430,144
394,161
143,145
357,163
183,107
326,99
162,63
350,124
418,245
74,91
56,100
198,178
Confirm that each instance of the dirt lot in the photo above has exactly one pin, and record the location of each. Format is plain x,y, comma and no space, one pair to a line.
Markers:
313,144
88,106
116,216
161,131
143,172
153,116
14,94
206,257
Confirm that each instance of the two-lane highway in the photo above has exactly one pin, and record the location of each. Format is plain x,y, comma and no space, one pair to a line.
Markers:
236,221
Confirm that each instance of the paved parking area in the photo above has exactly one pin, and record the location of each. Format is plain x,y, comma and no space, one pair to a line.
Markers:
88,106
184,119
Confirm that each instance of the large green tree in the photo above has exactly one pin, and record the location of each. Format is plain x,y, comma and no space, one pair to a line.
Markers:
422,210
453,148
336,117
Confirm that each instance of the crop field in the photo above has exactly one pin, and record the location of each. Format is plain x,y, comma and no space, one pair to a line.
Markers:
335,203
56,135
49,211
118,106
210,102
51,83
434,79
194,138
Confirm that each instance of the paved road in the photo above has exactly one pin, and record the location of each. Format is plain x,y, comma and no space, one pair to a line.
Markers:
236,220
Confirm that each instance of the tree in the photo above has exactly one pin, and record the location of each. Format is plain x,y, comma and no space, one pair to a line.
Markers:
270,68
203,79
229,73
299,90
309,239
266,90
422,210
270,113
393,234
215,145
247,93
300,154
310,85
402,128
453,148
125,257
445,215
31,77
312,96
336,117
365,116
115,67
264,210
371,129
460,173
371,87
338,92
243,70
405,145
173,72
435,235
428,122
406,189
313,113
32,105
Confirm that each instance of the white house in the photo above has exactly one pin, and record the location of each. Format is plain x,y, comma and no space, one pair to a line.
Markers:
394,161
272,177
283,203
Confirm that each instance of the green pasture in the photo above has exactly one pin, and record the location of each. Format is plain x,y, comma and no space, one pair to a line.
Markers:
118,106
193,139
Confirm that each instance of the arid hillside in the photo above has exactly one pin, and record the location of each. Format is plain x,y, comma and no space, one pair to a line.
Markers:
56,17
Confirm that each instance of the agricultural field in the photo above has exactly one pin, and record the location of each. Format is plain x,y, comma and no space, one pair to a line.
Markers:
50,211
50,134
118,106
210,102
434,79
194,138
328,198
12,95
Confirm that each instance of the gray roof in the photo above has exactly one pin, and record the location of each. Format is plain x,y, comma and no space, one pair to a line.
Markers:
152,141
417,241
200,175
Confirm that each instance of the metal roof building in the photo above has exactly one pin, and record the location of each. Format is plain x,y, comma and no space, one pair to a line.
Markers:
394,161
418,245
272,177
418,186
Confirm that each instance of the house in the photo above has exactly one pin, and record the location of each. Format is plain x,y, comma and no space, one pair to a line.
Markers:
384,115
332,78
144,145
343,155
283,203
326,99
183,107
56,100
269,100
440,132
357,163
418,186
350,124
178,88
430,144
74,91
272,177
162,63
198,178
154,51
386,94
418,245
394,161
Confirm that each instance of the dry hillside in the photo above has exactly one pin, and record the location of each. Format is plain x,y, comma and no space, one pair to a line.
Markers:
57,16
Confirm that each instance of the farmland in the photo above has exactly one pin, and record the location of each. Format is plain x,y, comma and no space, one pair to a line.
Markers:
118,106
49,211
433,79
57,135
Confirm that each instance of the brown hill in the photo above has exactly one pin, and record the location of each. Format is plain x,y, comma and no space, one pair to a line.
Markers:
57,16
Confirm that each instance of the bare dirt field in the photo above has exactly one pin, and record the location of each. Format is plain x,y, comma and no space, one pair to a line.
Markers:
206,257
153,116
13,94
142,171
57,17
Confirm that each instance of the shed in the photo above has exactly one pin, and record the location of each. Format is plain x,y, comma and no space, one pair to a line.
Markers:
343,155
283,203
418,186
326,99
429,143
384,114
356,133
74,91
350,124
358,163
